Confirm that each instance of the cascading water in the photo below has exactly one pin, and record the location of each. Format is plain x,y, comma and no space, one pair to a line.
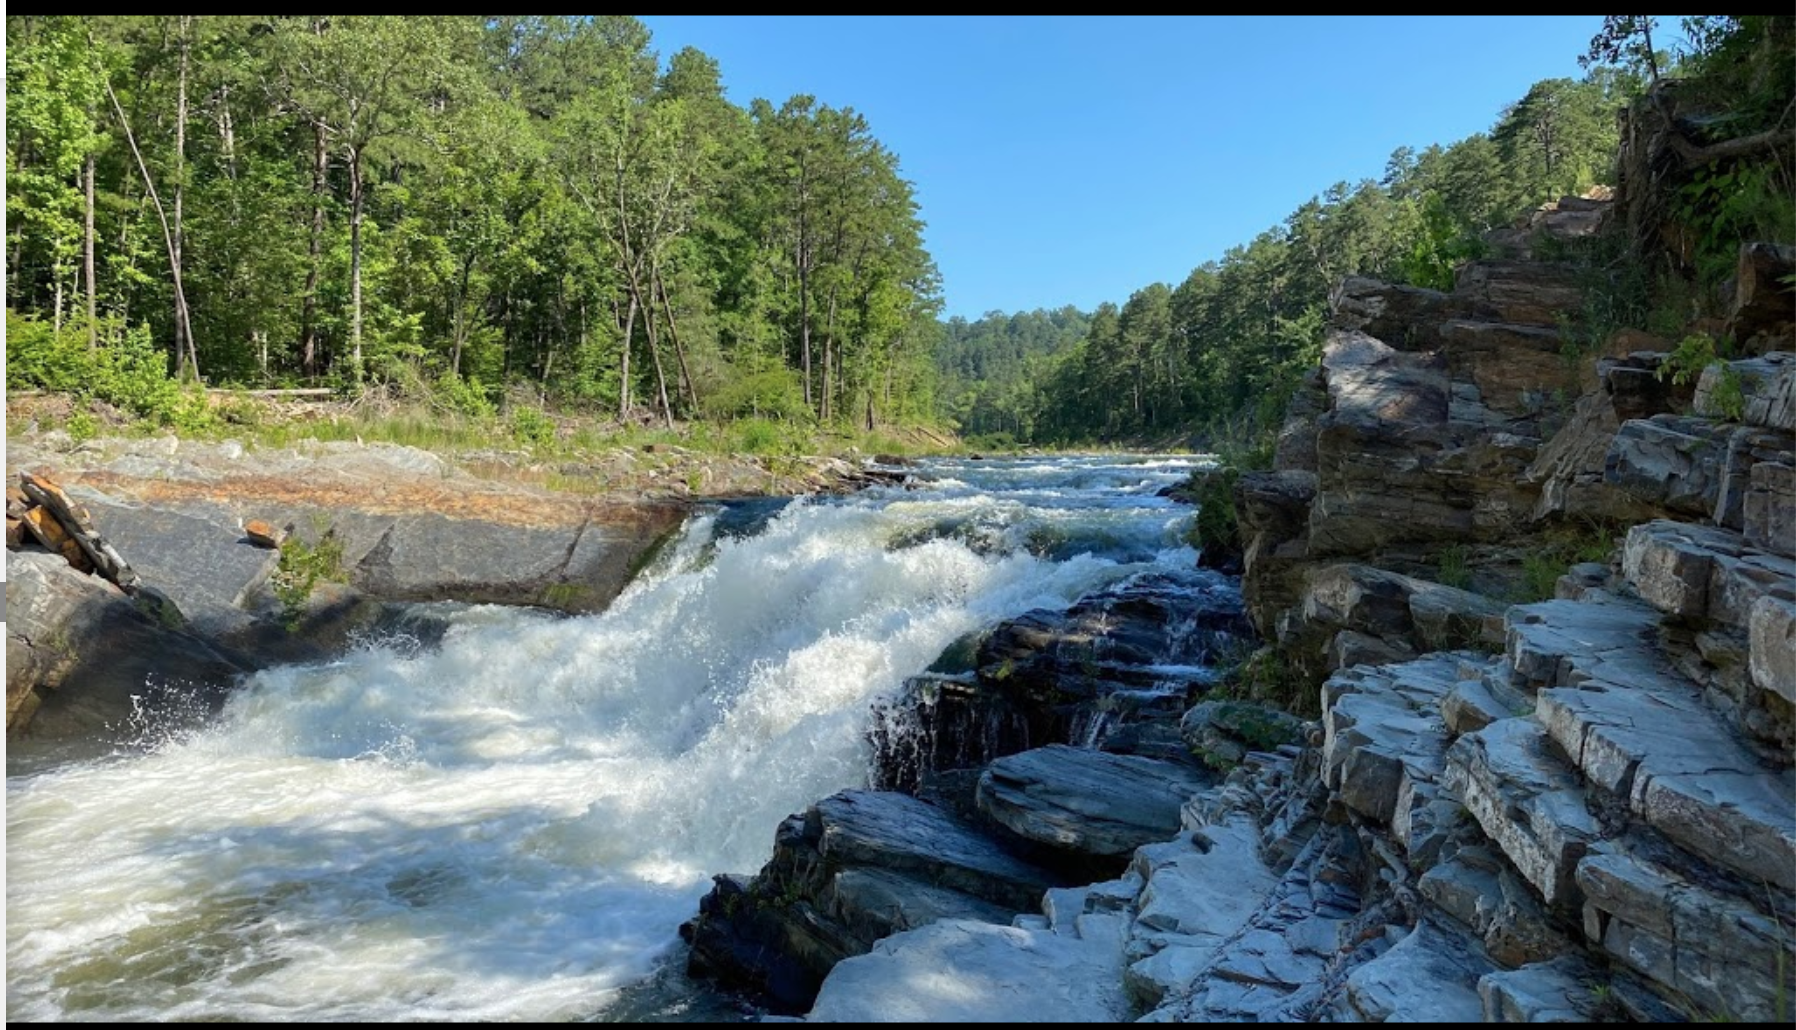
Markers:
511,824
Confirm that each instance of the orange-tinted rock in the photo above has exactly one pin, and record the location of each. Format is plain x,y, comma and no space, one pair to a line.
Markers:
48,492
263,533
15,533
50,532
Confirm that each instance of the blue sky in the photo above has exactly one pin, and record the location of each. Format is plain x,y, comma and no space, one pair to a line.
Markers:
1073,160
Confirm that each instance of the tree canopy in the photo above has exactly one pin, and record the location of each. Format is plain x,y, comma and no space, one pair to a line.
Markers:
464,203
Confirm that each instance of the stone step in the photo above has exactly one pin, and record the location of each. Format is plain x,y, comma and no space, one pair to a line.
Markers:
1560,643
1653,743
1430,976
1477,888
1717,947
1385,740
957,971
1641,731
1771,642
1090,802
1527,801
1197,893
1564,990
1703,572
1473,704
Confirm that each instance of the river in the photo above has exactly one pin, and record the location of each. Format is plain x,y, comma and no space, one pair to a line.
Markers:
510,822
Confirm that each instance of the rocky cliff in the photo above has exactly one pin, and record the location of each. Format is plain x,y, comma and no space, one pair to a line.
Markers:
1541,607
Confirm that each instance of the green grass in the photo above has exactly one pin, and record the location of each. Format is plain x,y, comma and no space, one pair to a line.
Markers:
1452,569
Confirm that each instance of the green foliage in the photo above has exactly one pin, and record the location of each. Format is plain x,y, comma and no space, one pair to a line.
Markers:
466,396
1540,576
1556,552
1725,203
1452,568
1442,243
469,202
1215,526
764,436
302,567
531,426
127,371
1695,354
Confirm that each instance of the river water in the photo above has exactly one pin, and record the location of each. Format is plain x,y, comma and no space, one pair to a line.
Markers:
511,822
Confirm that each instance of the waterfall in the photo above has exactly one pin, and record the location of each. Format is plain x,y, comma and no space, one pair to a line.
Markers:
511,823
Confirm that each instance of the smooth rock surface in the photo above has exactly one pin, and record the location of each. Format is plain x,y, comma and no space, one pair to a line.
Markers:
1090,802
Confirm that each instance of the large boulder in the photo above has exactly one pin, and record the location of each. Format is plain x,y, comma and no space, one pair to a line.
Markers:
1404,317
853,868
1087,802
67,629
1519,292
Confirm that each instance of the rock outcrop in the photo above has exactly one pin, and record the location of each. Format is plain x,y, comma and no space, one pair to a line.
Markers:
1563,809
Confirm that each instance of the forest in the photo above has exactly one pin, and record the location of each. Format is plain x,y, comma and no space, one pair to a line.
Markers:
451,206
540,211
1218,354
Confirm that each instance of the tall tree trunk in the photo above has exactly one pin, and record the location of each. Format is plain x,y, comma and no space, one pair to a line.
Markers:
355,261
804,315
184,331
623,364
829,341
461,321
673,332
308,317
87,258
655,356
184,343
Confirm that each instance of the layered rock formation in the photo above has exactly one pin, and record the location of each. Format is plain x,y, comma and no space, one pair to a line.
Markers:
1564,809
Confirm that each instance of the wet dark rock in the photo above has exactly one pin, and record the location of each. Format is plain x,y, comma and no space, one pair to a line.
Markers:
855,867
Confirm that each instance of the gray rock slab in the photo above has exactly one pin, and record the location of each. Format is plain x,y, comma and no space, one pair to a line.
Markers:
1527,802
1768,508
1680,769
1759,391
1718,949
902,834
1560,991
210,569
1703,571
1430,976
1087,801
82,660
1473,704
1382,725
962,972
1771,635
1204,892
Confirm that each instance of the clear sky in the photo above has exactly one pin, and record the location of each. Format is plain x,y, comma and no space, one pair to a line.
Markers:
1073,160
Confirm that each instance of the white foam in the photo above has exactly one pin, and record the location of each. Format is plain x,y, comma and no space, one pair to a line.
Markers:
511,825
